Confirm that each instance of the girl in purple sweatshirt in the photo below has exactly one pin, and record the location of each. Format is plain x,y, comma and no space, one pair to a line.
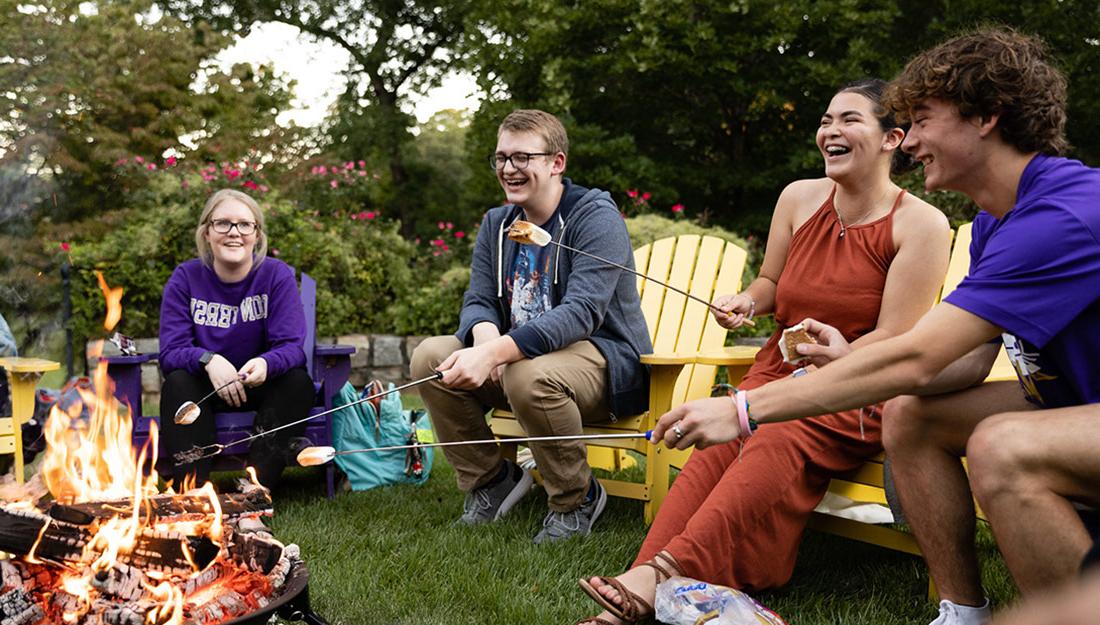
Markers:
233,317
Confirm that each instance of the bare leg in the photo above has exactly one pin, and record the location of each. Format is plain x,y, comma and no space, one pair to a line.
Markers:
1026,468
924,438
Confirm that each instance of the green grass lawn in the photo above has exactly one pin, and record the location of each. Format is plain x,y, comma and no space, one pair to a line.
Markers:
392,556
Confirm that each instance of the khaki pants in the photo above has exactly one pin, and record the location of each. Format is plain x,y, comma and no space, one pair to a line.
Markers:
551,395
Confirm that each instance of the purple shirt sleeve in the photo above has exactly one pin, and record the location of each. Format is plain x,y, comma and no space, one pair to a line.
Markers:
1036,273
177,340
286,326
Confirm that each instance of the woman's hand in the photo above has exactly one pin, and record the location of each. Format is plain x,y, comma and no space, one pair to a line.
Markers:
703,422
254,372
831,344
734,310
222,372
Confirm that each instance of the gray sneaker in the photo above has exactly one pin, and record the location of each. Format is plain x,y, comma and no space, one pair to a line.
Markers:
490,503
577,522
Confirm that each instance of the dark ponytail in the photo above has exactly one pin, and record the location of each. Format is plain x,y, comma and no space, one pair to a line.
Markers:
873,89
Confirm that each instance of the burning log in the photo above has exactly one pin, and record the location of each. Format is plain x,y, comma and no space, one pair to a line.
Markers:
256,501
63,543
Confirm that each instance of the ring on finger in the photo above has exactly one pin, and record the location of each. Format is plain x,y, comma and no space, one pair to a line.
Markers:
676,430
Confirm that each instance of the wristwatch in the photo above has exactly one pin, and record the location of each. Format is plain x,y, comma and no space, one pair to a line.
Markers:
206,358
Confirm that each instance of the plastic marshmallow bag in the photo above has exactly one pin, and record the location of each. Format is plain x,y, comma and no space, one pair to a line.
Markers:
686,601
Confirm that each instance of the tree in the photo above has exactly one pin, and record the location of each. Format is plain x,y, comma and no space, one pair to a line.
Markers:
396,46
715,103
86,84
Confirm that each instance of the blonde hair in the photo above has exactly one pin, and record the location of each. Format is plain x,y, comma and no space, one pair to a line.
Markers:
541,123
205,254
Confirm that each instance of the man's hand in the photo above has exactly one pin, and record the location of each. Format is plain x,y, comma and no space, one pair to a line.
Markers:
254,372
468,368
703,422
831,344
734,309
221,372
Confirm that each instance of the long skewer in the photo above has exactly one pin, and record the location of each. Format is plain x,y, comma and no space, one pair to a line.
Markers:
312,456
529,233
207,451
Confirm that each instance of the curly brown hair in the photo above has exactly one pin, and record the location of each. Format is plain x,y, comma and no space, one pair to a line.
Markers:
991,71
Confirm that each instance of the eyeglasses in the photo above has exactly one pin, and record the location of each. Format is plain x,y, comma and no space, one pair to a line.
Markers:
519,159
244,228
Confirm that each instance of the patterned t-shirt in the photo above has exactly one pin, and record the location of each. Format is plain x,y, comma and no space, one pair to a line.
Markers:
529,284
1035,272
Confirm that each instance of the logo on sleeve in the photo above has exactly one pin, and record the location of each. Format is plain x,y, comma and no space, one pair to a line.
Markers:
1027,365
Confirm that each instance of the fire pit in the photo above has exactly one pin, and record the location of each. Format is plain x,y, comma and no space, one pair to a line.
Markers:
111,549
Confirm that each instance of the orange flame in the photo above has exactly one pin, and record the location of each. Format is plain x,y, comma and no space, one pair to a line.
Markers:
114,302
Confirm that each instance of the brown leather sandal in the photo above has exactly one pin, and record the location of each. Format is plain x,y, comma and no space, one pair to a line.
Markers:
631,608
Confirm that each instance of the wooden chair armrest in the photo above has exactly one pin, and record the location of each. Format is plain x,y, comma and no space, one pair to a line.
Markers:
668,358
735,355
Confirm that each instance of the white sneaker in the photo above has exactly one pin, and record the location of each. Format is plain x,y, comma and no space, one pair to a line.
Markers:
955,614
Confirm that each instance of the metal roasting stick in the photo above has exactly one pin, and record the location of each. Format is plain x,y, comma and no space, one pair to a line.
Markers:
189,410
493,441
746,321
208,451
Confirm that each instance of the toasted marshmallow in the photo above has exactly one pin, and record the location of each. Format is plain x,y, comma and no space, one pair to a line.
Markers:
314,456
528,233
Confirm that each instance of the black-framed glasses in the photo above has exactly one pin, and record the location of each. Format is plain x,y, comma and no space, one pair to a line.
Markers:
520,160
244,228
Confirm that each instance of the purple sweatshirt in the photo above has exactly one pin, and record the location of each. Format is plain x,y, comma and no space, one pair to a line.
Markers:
258,316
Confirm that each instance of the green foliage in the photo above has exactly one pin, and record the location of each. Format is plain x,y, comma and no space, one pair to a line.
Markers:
645,229
433,308
714,104
361,266
90,83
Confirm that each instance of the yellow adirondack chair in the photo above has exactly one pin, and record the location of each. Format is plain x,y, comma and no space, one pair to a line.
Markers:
23,375
680,328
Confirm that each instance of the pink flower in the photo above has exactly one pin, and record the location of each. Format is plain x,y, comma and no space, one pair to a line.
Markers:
151,166
333,183
248,184
442,226
170,161
362,173
122,161
138,159
362,164
459,234
349,165
232,174
370,214
646,196
263,188
65,247
632,193
445,248
450,225
677,208
274,251
354,216
334,169
364,215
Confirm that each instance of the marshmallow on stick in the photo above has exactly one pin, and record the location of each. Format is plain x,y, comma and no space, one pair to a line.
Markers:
528,233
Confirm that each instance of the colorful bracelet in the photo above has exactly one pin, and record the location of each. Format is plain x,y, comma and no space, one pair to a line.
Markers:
741,402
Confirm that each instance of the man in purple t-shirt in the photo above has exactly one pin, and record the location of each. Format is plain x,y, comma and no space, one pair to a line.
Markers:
988,113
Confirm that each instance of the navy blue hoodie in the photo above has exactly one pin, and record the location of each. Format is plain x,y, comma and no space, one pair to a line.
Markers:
590,300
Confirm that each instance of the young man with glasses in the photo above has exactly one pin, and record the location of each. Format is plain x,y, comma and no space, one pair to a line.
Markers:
551,335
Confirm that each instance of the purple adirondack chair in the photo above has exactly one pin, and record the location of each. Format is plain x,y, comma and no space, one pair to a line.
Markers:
329,365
